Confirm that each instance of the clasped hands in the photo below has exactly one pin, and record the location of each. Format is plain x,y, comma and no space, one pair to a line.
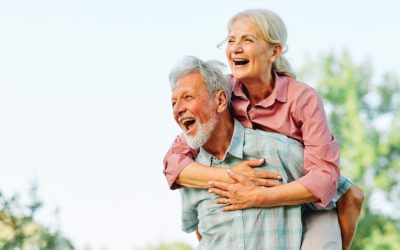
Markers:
247,187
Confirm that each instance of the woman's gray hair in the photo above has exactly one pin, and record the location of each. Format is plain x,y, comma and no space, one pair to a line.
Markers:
273,30
209,70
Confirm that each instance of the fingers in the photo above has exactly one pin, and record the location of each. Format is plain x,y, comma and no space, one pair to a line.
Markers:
222,200
260,173
237,177
219,192
218,184
233,207
268,175
266,183
253,163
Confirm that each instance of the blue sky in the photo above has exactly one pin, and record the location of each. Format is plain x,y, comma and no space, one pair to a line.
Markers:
85,100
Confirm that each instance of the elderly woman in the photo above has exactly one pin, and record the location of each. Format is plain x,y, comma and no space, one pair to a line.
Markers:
266,96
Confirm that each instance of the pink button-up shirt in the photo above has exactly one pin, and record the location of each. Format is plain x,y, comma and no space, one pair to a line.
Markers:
293,109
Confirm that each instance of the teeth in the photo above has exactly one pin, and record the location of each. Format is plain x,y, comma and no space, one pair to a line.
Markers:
185,120
240,61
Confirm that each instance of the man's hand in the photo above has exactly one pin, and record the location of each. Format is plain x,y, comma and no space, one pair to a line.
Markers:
240,195
258,177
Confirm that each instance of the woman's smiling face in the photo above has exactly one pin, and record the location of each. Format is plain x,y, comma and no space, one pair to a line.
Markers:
247,52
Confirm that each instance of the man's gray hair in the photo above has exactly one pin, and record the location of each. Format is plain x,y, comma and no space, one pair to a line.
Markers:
209,70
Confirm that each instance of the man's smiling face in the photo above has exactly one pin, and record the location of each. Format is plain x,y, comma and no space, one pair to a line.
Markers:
193,109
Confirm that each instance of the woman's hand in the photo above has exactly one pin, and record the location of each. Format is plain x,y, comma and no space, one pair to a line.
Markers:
240,195
258,177
245,194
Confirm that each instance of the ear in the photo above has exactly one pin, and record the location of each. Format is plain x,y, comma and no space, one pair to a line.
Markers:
276,53
220,101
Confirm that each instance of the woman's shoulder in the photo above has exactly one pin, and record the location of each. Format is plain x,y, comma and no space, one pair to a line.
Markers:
300,90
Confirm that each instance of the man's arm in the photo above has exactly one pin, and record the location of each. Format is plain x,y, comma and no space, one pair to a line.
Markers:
199,237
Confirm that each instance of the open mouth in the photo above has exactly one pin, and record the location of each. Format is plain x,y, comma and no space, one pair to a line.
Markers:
188,123
240,61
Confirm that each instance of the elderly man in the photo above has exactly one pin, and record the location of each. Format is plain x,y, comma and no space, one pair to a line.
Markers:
200,101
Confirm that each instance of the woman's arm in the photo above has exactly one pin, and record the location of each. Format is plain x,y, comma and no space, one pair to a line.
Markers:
245,194
198,176
181,170
321,150
179,156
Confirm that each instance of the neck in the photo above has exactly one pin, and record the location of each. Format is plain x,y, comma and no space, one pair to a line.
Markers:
259,89
221,137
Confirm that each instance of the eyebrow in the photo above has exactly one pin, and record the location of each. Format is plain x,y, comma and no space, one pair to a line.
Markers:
244,36
180,95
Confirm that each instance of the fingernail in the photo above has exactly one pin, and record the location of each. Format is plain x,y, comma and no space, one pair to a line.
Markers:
279,177
210,191
228,170
210,183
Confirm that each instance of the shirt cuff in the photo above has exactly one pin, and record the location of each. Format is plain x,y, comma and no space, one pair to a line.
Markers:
321,184
344,185
172,175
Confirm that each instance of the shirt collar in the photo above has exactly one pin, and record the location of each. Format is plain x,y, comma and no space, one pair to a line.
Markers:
279,93
235,147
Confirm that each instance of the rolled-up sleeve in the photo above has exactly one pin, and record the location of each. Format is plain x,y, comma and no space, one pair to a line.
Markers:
321,150
177,158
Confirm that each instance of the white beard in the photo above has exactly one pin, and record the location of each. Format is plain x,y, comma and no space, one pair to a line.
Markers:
204,133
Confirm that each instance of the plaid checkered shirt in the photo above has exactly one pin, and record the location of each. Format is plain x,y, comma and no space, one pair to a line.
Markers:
255,228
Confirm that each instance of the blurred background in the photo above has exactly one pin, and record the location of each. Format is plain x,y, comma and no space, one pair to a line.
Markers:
85,115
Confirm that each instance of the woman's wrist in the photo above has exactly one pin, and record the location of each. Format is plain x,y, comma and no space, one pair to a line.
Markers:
262,198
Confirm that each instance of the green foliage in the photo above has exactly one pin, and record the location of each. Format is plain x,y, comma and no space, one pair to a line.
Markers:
377,232
20,231
168,246
365,117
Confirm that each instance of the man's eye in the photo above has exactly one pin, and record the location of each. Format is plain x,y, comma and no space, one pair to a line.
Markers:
173,103
188,97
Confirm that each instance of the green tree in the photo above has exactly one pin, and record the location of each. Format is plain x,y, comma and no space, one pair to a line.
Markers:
20,231
364,115
167,246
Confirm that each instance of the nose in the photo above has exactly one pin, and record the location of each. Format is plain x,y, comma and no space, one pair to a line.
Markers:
237,47
179,108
